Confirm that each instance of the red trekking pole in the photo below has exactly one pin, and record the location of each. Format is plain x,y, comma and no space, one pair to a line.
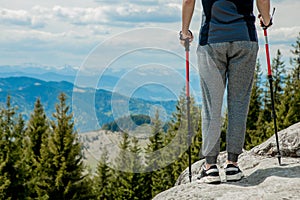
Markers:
188,102
270,77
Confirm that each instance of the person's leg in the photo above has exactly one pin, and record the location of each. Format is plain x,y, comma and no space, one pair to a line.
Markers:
241,68
212,64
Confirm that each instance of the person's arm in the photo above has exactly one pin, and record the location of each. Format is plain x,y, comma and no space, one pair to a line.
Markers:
187,13
263,7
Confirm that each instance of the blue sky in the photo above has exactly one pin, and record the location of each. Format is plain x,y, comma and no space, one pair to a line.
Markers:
58,33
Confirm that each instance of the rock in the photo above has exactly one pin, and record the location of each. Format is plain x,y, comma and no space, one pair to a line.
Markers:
289,143
264,178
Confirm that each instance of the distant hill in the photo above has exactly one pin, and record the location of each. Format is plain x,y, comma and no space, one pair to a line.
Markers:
24,91
108,81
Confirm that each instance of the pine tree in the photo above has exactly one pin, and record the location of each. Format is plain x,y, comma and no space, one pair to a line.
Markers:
182,134
262,132
290,106
255,110
61,169
86,188
37,131
283,118
288,109
153,161
255,100
176,140
102,181
293,115
266,103
265,124
19,132
128,181
122,174
176,143
295,61
196,131
5,181
137,179
279,76
11,171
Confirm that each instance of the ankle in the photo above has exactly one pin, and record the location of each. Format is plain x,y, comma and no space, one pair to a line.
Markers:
207,166
231,162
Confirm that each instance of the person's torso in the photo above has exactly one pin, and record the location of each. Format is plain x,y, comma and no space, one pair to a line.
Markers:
227,21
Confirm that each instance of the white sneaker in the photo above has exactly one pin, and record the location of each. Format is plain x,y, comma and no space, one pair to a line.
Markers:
233,173
210,175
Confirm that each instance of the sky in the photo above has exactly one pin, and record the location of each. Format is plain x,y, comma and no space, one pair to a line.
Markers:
93,34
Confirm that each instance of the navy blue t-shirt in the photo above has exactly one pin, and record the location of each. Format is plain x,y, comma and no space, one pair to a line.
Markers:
227,21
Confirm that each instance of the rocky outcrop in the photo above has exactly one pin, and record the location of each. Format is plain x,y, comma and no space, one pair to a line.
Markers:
264,177
289,142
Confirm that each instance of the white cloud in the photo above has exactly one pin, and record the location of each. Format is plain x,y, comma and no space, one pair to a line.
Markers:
98,29
82,15
18,35
137,13
284,34
115,14
110,14
34,19
46,48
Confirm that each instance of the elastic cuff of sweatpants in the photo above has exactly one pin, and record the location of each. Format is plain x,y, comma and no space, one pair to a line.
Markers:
232,157
211,159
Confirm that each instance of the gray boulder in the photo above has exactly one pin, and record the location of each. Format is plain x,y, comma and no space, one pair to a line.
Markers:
289,143
264,178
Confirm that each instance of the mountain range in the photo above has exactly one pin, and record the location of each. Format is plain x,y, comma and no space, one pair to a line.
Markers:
123,81
91,107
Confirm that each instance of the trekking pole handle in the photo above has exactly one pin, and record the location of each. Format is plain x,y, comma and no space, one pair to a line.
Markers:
186,40
270,23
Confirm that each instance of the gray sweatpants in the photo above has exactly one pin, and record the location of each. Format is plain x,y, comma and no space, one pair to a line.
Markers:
230,64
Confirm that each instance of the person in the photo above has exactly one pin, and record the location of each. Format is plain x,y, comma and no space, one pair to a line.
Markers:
227,54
